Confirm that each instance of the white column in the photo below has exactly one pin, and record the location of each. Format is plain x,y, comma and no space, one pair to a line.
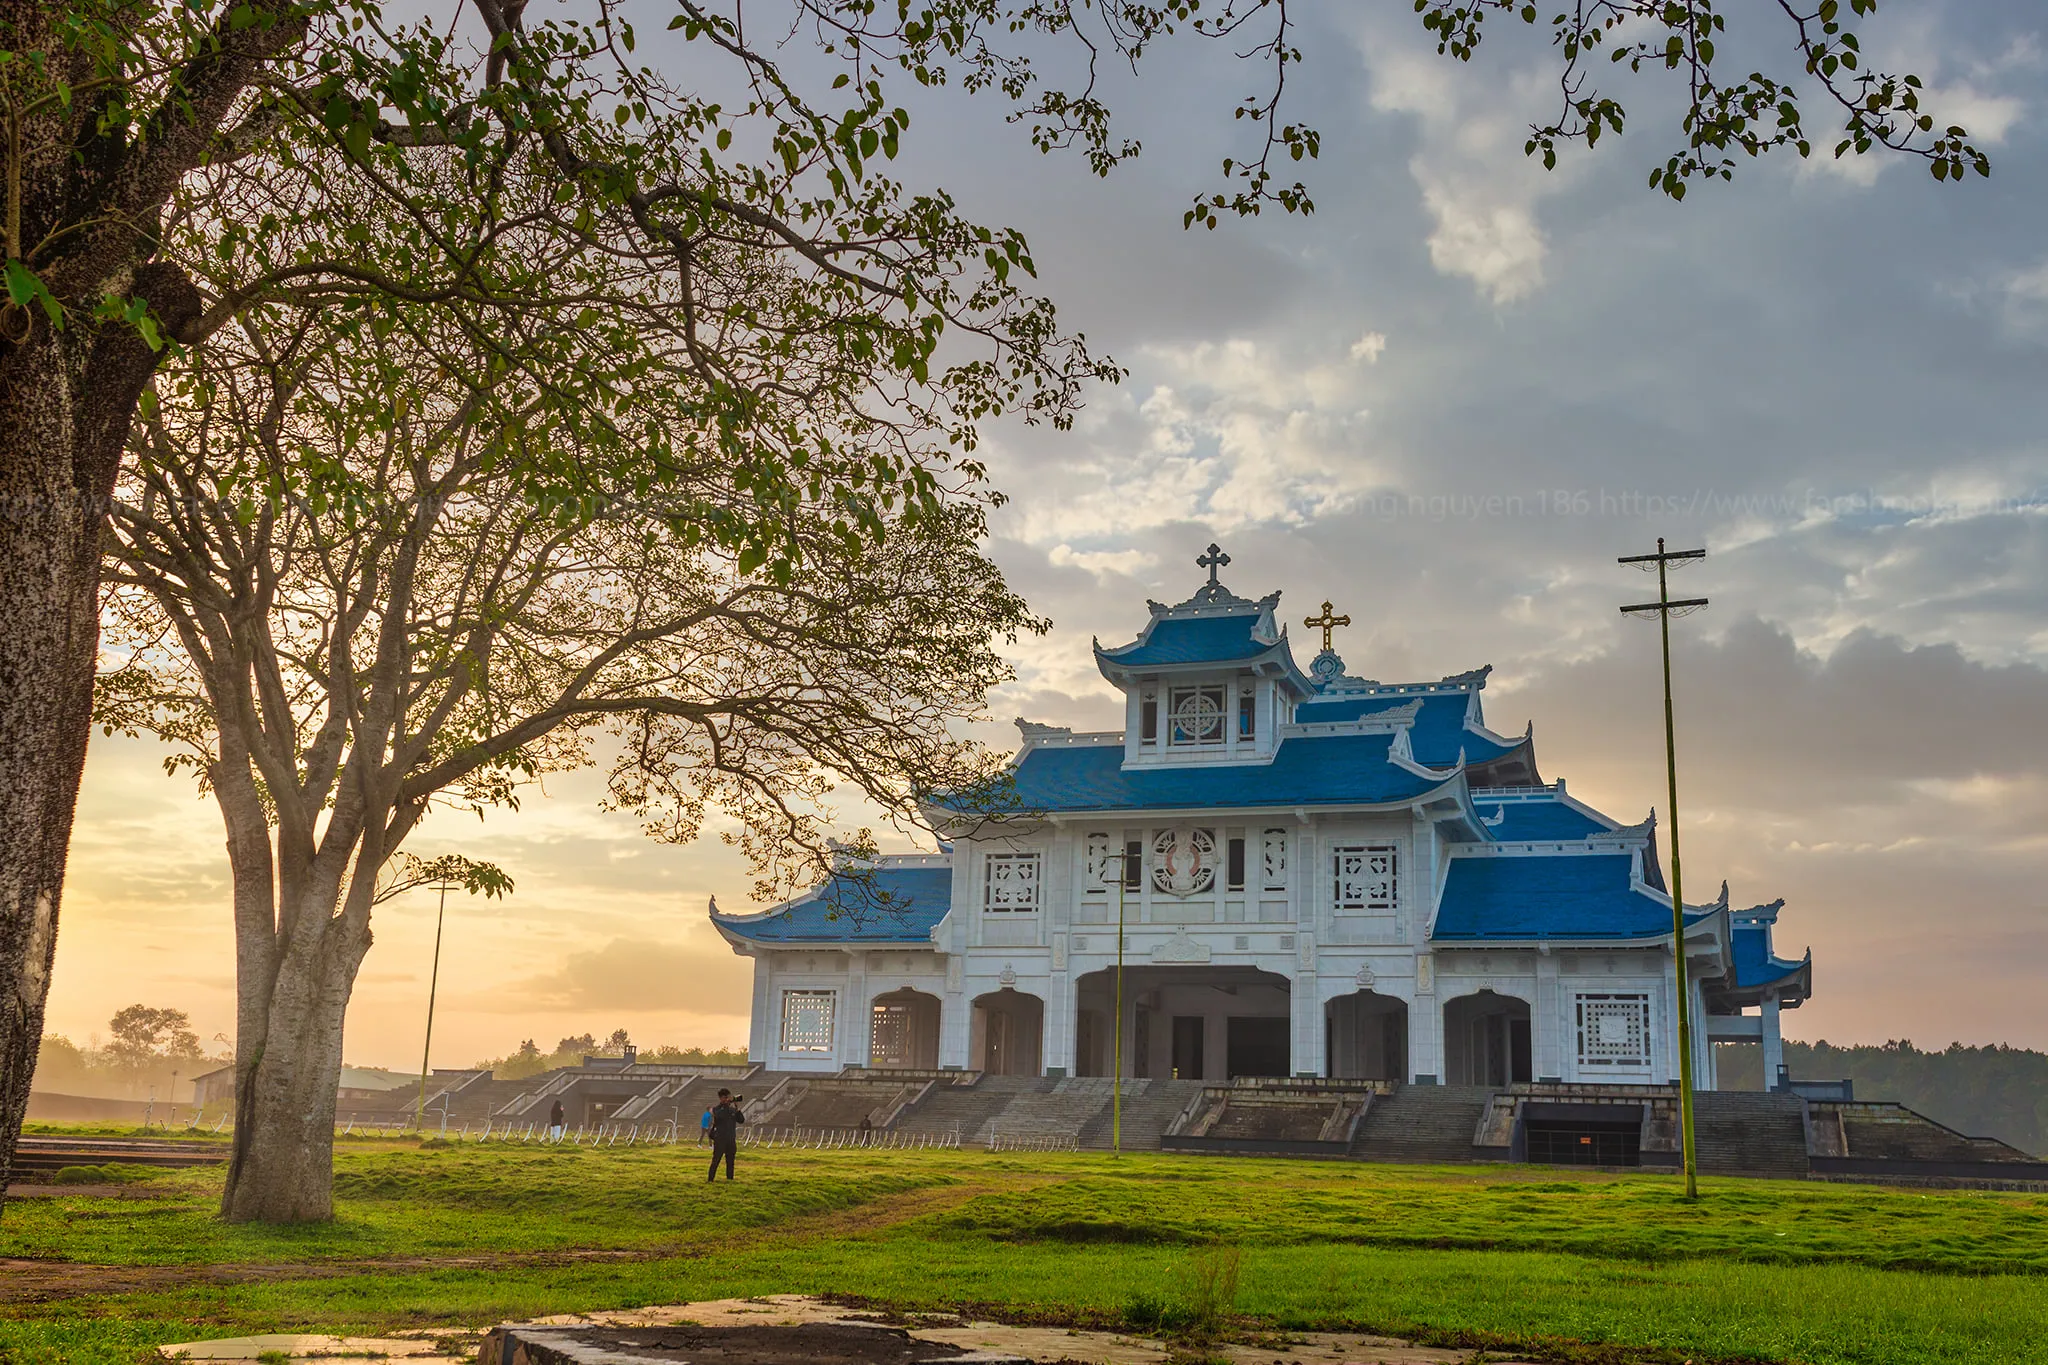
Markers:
1305,1005
765,1040
1774,1042
855,1013
955,1017
1060,1004
1546,1019
1425,1023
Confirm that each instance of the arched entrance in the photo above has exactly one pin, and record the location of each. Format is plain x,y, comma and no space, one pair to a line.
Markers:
1008,1028
1189,1023
1486,1040
903,1030
1365,1037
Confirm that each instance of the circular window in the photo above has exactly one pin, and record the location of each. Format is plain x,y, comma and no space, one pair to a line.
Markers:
1199,717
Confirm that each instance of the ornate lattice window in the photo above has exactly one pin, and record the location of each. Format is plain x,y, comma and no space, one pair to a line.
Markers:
1365,877
1010,883
1614,1030
1102,868
807,1020
1195,716
1184,861
1273,859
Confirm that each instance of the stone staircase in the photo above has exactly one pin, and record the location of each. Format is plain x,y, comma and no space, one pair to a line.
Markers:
1893,1132
1053,1109
967,1108
1424,1124
1150,1107
1748,1133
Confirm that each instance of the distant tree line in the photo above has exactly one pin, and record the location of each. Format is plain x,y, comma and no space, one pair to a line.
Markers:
1995,1091
529,1060
145,1046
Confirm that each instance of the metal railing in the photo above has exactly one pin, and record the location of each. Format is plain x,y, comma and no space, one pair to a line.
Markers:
1033,1142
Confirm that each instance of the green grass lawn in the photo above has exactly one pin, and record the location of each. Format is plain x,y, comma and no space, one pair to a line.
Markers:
1592,1267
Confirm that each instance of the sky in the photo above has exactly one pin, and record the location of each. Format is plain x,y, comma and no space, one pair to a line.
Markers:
1445,402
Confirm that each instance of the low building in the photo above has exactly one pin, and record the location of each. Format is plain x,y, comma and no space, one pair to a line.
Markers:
355,1085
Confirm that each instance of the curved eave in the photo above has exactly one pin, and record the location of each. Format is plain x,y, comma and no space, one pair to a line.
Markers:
1705,929
824,940
1424,797
1464,814
1539,940
1793,985
1274,659
753,930
1515,767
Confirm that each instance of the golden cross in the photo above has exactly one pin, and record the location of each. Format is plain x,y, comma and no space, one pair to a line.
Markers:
1327,622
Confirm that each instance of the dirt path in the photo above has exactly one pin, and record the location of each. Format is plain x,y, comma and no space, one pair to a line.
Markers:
40,1281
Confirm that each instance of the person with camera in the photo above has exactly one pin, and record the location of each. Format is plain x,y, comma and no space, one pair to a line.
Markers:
726,1119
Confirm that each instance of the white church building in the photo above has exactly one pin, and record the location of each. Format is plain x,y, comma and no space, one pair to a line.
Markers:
1317,875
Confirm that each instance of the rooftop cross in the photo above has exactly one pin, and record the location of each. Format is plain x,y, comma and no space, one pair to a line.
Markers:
1212,561
1328,622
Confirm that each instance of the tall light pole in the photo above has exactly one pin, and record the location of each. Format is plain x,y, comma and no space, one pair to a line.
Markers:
419,1113
1664,609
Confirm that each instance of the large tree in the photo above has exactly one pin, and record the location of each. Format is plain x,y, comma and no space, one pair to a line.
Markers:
127,120
423,631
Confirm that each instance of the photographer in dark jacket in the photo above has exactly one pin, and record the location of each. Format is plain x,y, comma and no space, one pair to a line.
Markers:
726,1119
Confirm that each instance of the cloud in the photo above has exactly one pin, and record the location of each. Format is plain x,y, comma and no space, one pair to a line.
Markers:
1477,182
1102,563
627,975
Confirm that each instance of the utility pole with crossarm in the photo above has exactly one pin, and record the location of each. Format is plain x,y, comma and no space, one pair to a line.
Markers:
1664,609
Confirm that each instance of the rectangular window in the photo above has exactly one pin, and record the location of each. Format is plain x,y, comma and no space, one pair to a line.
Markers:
1148,720
1247,709
1234,867
1365,877
1134,863
1614,1030
1195,716
1101,864
807,1020
1010,883
1273,854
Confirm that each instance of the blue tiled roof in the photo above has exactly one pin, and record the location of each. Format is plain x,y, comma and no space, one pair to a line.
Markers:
1552,896
1535,821
1194,640
895,905
1439,731
1755,963
1317,770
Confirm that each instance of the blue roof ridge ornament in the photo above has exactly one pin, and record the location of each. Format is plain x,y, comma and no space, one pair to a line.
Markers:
1327,668
1640,832
1761,914
1037,736
1472,680
1392,719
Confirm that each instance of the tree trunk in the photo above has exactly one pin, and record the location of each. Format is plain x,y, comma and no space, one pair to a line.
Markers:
282,1170
49,636
66,398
